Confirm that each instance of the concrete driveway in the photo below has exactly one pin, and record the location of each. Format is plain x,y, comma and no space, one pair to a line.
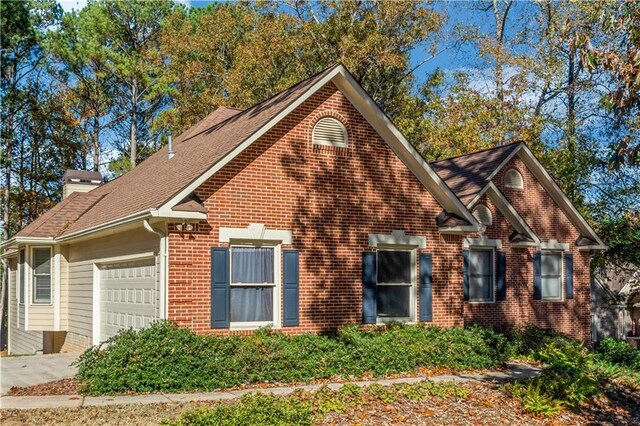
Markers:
34,369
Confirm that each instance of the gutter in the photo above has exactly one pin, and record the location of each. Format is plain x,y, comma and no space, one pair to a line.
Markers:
164,267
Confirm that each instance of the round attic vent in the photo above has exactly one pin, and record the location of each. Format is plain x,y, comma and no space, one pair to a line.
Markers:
513,179
483,215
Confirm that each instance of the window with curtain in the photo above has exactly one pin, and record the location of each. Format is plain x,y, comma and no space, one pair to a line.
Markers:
481,275
551,275
252,284
42,275
395,283
21,276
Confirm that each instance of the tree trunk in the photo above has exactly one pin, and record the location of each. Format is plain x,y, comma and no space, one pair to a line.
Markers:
96,142
134,123
500,20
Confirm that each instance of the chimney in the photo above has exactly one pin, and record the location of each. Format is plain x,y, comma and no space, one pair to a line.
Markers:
79,181
171,153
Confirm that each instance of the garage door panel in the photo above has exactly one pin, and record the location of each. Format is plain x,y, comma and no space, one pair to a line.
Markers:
128,297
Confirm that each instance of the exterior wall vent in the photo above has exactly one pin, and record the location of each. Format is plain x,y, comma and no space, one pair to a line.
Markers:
513,179
330,132
483,215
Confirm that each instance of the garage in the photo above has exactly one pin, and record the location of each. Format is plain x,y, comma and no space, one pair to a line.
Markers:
128,296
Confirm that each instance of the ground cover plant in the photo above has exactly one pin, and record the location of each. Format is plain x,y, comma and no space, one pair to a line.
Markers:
168,358
305,408
571,374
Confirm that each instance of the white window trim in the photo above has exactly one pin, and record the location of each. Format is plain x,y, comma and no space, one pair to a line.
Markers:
475,243
22,277
255,232
554,245
413,287
277,285
345,140
562,286
492,264
399,239
32,302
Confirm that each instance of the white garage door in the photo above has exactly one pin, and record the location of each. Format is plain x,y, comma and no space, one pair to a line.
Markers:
128,297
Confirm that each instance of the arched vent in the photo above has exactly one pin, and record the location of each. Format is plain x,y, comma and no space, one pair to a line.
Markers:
330,132
483,215
513,179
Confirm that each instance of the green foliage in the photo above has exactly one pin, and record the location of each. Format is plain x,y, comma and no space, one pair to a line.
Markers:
528,341
253,409
618,353
535,400
167,358
303,408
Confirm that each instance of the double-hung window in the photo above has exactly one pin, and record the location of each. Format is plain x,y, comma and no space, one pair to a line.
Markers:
41,275
252,285
481,275
551,275
395,285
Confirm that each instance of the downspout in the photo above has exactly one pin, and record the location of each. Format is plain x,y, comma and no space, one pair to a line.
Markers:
164,268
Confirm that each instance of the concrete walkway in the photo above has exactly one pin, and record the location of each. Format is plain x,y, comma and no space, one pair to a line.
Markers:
34,370
515,371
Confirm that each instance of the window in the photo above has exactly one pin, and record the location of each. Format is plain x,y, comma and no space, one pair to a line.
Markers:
331,132
551,275
42,275
21,276
483,215
395,284
513,179
252,284
481,279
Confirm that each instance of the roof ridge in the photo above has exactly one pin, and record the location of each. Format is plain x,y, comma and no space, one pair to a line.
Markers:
477,152
245,111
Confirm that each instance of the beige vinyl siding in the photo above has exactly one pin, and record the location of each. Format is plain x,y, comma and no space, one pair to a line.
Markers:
81,259
20,342
64,288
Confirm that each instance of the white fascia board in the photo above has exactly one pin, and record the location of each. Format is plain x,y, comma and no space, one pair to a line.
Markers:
509,212
403,149
164,213
112,224
558,196
593,247
461,229
244,145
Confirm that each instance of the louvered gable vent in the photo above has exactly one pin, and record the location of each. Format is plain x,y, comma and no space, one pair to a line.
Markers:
330,132
513,179
483,215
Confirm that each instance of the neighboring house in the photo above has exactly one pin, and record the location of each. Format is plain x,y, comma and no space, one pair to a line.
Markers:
609,316
305,212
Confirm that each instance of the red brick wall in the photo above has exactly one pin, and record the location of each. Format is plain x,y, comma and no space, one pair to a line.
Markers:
548,221
330,199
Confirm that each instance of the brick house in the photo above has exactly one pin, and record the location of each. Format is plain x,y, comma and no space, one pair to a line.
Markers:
305,212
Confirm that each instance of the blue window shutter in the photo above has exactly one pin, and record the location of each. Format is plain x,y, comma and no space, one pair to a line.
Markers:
501,276
291,288
537,279
465,274
426,270
220,292
568,275
369,281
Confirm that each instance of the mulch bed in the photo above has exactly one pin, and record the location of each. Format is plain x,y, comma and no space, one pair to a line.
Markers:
57,387
486,405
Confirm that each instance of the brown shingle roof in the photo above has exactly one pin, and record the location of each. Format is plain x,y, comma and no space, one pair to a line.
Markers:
54,222
467,175
157,179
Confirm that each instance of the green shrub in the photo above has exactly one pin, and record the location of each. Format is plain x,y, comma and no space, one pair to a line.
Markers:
529,340
167,358
569,377
619,353
253,409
